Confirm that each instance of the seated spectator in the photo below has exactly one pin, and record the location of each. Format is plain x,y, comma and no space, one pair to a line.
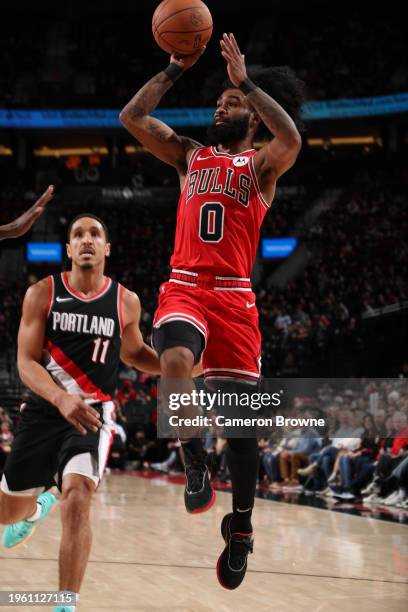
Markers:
357,467
384,482
139,449
307,443
117,454
173,461
322,463
125,393
399,497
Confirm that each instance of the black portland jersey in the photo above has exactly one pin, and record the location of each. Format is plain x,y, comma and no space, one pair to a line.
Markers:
83,337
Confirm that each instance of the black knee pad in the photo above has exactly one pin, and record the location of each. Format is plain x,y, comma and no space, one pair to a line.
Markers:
178,333
232,406
243,446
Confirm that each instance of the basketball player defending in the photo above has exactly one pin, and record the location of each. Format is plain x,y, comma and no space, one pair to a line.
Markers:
74,328
208,304
22,224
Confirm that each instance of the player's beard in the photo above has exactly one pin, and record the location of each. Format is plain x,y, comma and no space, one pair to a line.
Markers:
228,132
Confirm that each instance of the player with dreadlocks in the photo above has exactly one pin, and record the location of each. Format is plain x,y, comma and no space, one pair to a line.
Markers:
207,307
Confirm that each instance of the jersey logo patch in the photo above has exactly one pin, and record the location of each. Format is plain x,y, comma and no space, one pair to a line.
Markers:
249,305
240,161
60,299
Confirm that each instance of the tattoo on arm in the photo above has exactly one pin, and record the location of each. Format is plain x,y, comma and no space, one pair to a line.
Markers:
148,97
273,115
161,132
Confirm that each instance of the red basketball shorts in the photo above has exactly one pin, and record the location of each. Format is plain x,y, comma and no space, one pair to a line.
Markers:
228,319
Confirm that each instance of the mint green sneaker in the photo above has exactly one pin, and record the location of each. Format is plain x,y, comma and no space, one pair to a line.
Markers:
20,532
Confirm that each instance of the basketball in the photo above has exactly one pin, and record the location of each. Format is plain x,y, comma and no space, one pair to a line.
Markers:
182,26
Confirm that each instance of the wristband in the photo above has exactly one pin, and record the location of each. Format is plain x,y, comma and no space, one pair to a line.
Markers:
174,72
247,86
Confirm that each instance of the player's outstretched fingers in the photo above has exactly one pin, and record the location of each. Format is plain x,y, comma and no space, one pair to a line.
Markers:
78,426
39,207
90,417
235,44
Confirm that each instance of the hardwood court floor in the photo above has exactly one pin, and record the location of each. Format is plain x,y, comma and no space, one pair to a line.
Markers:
149,555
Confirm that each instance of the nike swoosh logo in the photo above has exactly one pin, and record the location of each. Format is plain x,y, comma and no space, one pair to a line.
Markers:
60,299
199,158
249,305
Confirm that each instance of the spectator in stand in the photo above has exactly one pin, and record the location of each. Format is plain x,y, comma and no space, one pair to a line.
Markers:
383,484
400,496
128,373
125,393
379,420
322,463
357,467
117,454
140,451
173,461
307,443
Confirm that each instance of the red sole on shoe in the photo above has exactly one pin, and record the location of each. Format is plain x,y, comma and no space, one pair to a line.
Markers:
208,506
219,577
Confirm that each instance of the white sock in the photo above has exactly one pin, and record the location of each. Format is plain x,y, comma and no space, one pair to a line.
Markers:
36,515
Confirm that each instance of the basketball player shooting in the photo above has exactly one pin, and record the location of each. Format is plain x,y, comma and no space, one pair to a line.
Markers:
22,224
208,306
74,328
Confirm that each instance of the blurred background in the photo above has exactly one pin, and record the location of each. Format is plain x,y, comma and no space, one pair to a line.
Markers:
336,304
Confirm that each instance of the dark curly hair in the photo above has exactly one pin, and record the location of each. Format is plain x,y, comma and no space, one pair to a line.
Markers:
282,84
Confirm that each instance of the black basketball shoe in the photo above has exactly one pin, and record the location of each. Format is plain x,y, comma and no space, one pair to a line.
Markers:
199,496
232,563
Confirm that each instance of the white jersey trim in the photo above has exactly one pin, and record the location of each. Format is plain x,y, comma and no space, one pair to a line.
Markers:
61,377
181,316
232,278
184,272
106,434
256,184
84,299
232,288
192,158
231,370
83,464
180,282
219,154
247,381
51,298
35,492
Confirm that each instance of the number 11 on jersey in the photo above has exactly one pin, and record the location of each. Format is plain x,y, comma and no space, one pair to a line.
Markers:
99,354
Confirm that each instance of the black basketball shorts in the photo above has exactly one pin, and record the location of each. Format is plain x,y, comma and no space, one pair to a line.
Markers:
43,445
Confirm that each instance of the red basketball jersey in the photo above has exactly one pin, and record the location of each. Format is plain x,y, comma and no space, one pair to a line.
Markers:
219,214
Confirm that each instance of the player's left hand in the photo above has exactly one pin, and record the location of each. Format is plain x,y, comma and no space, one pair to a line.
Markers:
186,61
22,224
235,60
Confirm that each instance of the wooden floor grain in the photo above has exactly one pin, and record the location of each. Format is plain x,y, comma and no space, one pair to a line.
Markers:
149,555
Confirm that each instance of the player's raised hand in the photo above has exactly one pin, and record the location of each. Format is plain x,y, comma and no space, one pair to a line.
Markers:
22,224
235,60
186,61
80,414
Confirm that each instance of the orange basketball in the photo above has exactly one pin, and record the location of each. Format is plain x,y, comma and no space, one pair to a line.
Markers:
182,26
